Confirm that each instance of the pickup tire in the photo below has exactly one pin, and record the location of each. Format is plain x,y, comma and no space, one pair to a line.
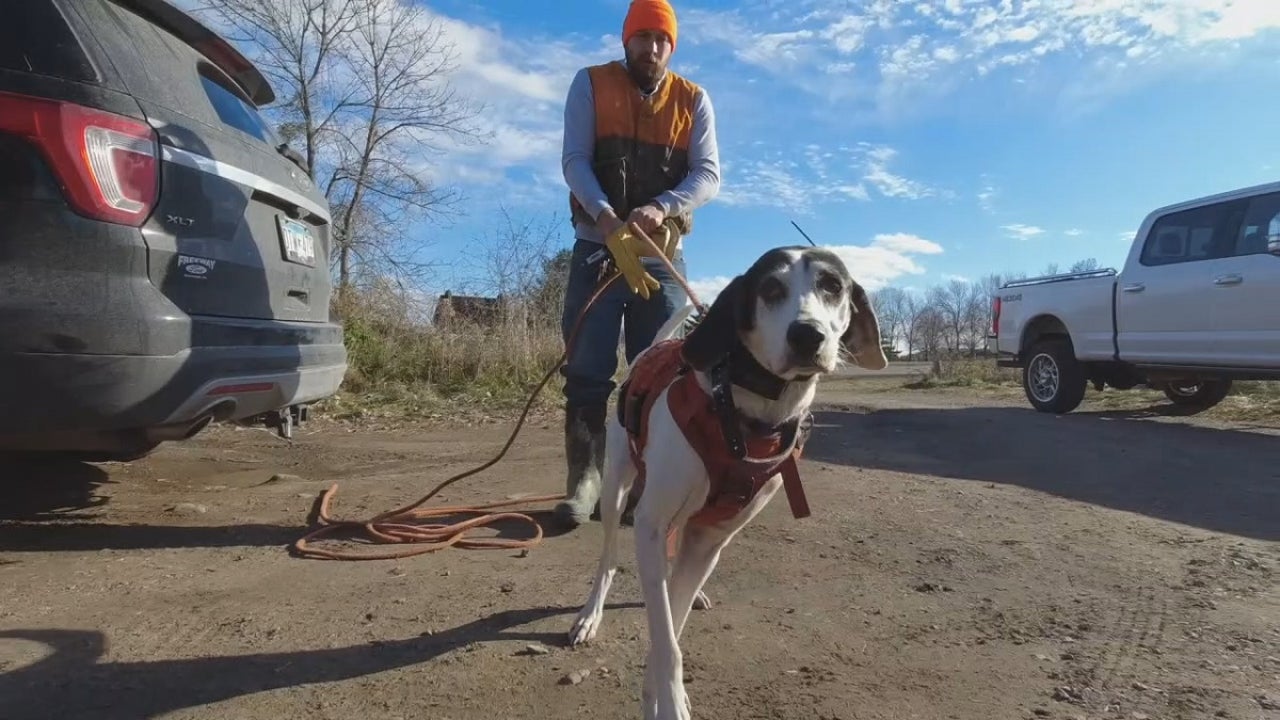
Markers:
1052,378
1200,395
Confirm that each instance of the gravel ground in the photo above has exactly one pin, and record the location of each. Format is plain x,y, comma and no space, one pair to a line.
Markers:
967,558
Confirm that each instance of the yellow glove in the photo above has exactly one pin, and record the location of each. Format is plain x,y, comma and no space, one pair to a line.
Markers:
626,249
666,238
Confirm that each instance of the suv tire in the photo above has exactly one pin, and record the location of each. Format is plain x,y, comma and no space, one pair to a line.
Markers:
1052,378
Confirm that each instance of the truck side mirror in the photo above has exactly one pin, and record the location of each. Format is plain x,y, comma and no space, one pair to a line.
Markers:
1273,244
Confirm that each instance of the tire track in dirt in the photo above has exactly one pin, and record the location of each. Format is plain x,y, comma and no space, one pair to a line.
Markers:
1127,633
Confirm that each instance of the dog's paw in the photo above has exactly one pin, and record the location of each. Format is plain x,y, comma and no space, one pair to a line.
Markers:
584,628
674,705
663,699
701,601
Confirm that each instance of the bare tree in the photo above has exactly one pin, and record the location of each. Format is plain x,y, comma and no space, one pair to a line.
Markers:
516,257
976,317
890,305
931,331
1085,265
951,301
912,306
364,90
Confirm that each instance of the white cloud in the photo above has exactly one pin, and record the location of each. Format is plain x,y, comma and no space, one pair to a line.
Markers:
887,183
847,34
708,288
1018,231
909,54
522,81
1074,232
987,196
889,256
906,244
801,179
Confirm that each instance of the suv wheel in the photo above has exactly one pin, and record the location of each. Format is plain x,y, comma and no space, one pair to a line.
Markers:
1052,378
1200,394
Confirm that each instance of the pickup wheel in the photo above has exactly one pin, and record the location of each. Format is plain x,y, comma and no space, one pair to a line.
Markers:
1200,395
1052,377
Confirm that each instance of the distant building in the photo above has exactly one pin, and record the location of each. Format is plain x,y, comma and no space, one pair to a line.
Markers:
452,310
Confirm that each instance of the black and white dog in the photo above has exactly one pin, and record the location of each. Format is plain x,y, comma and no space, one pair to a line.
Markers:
779,326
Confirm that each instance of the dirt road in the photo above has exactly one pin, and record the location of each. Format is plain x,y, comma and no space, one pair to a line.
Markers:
965,560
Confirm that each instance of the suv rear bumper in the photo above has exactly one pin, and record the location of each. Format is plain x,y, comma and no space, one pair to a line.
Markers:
56,400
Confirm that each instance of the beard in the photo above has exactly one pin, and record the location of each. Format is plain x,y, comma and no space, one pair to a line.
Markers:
644,72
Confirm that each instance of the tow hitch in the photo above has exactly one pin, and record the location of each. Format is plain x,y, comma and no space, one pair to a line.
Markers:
285,420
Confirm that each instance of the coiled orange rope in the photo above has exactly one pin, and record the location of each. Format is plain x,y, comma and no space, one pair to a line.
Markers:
421,528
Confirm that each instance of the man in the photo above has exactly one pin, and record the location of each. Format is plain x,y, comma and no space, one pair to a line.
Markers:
639,147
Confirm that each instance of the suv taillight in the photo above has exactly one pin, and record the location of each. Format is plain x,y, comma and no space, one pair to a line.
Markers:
995,315
108,165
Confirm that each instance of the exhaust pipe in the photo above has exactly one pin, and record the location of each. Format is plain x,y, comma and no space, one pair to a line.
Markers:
179,431
197,426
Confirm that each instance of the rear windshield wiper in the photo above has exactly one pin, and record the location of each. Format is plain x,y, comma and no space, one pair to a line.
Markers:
286,150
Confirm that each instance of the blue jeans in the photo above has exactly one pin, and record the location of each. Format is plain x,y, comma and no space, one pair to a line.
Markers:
593,360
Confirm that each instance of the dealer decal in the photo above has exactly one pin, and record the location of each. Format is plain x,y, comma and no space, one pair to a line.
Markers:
196,268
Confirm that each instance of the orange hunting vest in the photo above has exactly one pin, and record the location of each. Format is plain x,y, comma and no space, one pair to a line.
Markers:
642,144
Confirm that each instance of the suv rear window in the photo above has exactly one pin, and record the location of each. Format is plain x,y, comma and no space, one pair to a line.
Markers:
35,38
234,111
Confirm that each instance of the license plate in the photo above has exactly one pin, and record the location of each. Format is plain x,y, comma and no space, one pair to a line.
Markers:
297,242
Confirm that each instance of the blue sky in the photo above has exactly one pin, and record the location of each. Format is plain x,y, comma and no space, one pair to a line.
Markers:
927,139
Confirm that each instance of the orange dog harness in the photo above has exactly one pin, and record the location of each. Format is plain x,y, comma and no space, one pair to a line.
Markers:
737,463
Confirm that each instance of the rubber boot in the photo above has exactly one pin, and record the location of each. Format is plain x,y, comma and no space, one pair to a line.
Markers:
584,456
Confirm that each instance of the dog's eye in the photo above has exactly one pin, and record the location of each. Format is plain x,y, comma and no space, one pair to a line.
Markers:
830,284
772,290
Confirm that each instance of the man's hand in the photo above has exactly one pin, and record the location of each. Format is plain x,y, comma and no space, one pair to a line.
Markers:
647,217
626,250
608,222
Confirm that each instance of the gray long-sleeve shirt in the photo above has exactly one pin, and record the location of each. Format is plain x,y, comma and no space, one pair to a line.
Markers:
697,188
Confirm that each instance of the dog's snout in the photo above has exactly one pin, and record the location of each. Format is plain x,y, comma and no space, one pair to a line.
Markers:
805,338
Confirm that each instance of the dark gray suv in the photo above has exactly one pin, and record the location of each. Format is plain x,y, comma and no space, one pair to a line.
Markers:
163,255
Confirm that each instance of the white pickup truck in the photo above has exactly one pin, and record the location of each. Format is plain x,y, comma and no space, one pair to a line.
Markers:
1196,306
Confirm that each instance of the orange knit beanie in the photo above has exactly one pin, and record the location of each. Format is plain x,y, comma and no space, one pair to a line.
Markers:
650,15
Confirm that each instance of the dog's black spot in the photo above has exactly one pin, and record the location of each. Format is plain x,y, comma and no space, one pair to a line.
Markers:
733,311
862,322
773,291
717,332
824,256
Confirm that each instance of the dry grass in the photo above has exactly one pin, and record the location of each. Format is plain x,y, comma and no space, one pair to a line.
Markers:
1249,401
968,373
402,368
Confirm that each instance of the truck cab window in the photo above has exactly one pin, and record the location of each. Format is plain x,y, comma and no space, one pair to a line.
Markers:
1261,223
1202,233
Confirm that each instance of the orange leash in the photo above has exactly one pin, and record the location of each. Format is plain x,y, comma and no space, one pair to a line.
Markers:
424,528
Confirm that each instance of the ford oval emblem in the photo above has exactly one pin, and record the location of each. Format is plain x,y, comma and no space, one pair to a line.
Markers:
195,269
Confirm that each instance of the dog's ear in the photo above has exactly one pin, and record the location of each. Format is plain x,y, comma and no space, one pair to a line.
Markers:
862,339
718,330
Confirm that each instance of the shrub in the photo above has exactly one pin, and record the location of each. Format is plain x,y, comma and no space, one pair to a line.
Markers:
396,359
